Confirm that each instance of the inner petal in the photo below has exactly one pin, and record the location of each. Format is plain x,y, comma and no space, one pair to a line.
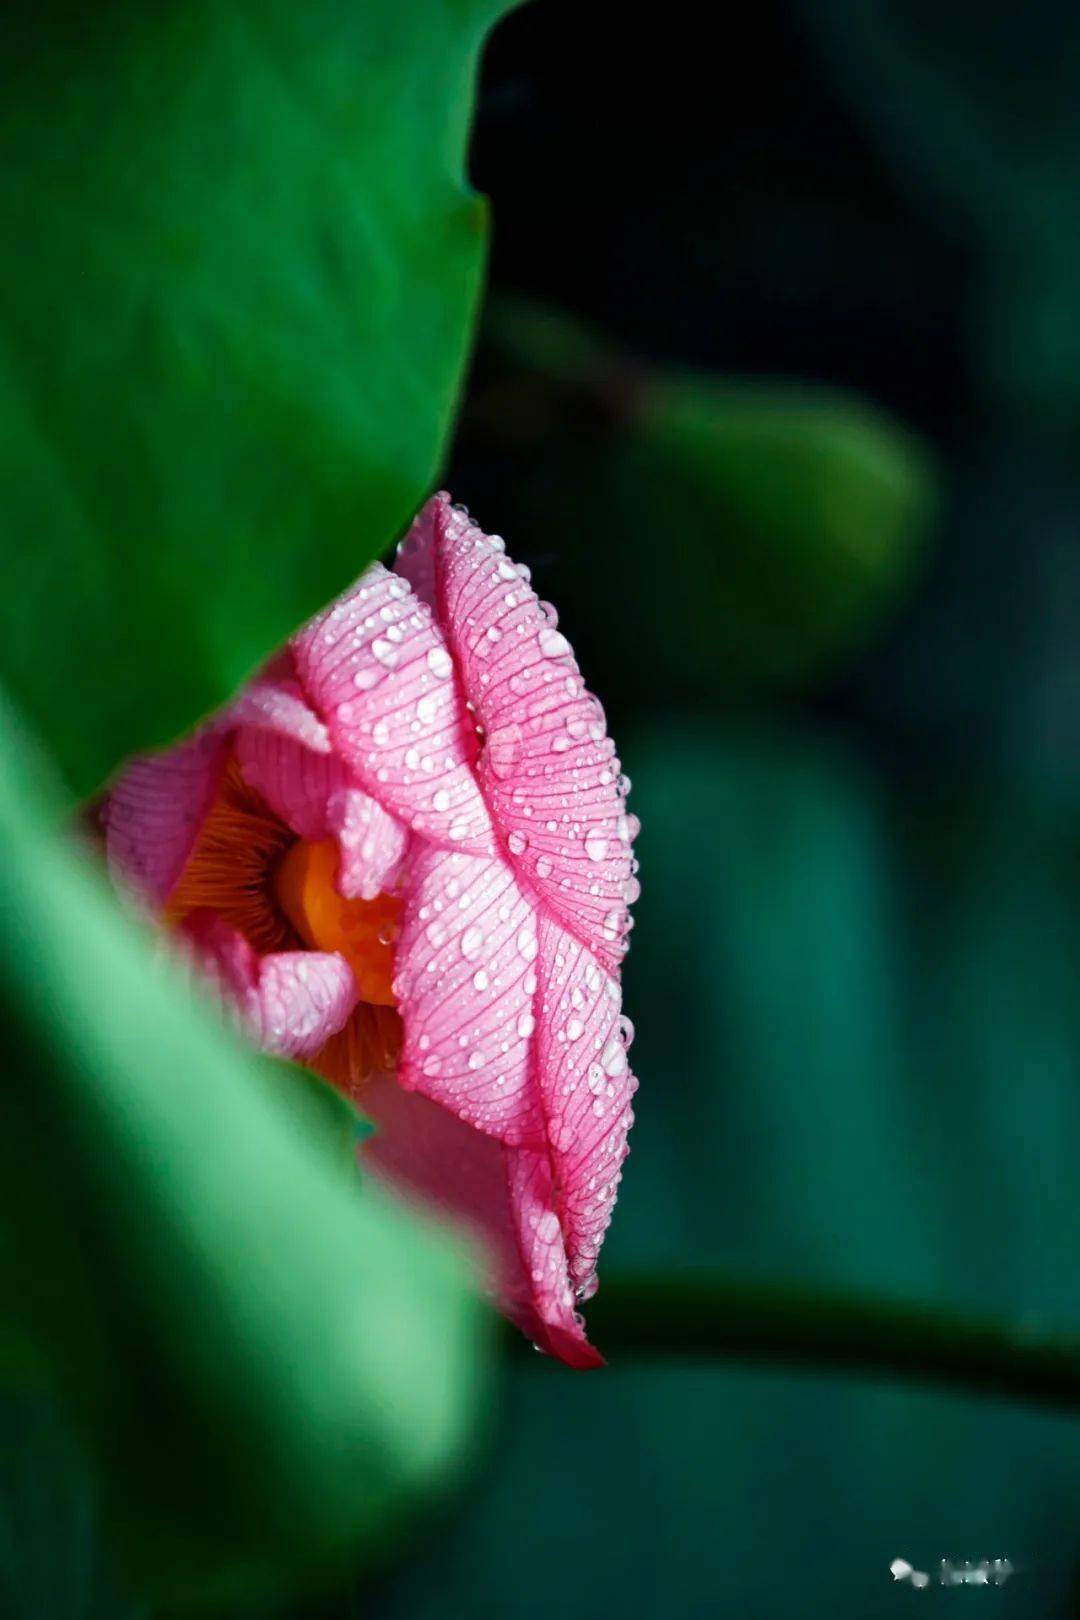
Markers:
249,869
363,931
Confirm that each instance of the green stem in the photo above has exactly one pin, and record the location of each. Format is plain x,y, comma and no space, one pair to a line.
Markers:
701,1316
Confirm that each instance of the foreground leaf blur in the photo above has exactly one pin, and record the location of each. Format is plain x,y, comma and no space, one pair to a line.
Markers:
231,335
267,1360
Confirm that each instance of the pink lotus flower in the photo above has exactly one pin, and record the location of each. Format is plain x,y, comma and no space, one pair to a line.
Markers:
403,857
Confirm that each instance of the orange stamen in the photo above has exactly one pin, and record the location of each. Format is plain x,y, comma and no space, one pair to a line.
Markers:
239,847
363,931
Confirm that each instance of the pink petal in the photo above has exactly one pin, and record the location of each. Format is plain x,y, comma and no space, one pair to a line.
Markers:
376,668
514,1027
547,769
315,795
155,811
503,1194
289,1002
465,976
274,701
295,782
372,844
581,1043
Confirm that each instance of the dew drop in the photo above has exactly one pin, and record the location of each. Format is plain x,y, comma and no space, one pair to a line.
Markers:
613,1057
553,644
504,750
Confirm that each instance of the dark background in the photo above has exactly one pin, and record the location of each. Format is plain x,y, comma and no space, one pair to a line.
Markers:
855,966
778,392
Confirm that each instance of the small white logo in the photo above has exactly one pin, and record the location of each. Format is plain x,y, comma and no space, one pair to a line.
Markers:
988,1572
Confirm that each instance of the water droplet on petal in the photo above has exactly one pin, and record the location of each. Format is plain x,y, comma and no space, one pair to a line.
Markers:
553,644
504,750
472,943
613,1058
596,846
438,661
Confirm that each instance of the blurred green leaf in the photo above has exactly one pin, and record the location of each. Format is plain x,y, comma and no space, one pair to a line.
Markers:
759,530
789,518
243,270
267,1359
54,1564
